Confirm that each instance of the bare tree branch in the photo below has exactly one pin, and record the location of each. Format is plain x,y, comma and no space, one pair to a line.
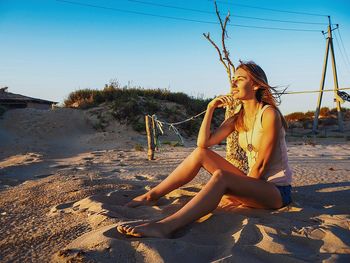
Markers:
207,36
218,15
225,35
234,153
224,54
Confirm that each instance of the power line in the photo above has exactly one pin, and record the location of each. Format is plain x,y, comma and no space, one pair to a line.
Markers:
276,28
271,9
183,19
172,6
311,91
213,13
278,20
135,12
341,53
342,43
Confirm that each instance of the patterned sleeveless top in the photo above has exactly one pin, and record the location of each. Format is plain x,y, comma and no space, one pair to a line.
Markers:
278,170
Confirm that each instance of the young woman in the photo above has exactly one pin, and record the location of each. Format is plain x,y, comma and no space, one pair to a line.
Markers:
261,128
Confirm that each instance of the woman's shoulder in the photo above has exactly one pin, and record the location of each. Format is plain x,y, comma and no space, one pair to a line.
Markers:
267,108
270,115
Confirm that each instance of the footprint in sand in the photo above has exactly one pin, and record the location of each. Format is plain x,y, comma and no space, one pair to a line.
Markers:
109,205
61,208
141,177
87,158
20,159
60,166
160,176
98,153
42,175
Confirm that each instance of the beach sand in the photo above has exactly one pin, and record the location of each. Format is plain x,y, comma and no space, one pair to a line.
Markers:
63,187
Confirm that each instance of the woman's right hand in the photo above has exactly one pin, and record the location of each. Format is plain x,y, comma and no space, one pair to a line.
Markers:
221,101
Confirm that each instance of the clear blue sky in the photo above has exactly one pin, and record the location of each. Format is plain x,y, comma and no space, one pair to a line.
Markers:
49,48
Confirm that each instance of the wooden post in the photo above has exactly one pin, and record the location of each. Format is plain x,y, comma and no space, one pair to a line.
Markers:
150,141
155,135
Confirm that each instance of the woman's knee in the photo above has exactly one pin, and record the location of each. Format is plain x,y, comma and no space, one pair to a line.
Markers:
201,152
219,176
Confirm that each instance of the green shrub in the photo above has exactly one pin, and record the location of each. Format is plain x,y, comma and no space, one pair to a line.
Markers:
176,144
172,143
138,126
138,147
130,105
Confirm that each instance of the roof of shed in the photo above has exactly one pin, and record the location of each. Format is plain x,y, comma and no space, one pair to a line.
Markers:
8,96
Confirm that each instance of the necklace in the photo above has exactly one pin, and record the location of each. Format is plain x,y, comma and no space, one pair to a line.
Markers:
250,146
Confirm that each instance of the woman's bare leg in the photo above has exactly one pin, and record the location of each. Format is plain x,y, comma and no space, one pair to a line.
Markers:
253,192
184,173
226,179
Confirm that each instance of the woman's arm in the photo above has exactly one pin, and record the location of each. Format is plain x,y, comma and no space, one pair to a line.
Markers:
271,122
205,138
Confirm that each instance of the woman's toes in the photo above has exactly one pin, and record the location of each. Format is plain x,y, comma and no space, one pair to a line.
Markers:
133,232
121,229
127,227
124,228
148,229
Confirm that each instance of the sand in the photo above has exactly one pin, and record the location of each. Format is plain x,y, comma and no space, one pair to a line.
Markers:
63,186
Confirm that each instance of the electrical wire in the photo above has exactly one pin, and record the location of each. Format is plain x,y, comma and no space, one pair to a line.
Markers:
270,9
183,19
341,52
342,43
134,12
172,6
311,91
280,21
277,28
213,13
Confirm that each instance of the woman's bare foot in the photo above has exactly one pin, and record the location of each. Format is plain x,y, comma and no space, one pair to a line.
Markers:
125,227
151,229
142,200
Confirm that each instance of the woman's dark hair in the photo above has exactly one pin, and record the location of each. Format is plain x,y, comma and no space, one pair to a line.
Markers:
265,94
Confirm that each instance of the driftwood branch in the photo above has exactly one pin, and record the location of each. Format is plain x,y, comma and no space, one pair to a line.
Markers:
225,54
234,152
225,35
207,36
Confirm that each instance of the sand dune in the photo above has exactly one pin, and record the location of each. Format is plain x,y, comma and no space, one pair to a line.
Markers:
299,232
63,191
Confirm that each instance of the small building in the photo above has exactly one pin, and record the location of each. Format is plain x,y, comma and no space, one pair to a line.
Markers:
14,101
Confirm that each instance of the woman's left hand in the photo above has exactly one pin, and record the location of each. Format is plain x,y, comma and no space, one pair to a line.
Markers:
221,101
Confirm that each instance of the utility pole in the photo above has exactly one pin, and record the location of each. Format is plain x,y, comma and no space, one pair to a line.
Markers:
329,45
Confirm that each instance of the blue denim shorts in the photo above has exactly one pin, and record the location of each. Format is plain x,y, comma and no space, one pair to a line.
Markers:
285,191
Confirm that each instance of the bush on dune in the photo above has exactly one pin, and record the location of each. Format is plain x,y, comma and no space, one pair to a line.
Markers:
130,105
327,117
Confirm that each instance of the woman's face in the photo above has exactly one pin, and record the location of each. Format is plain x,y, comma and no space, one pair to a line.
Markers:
243,88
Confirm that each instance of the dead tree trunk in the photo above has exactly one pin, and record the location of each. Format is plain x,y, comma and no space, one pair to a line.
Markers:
234,153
